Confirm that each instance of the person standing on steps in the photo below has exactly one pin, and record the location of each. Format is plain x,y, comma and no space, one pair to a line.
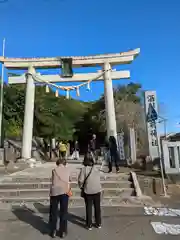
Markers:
75,154
62,149
114,155
71,147
92,148
89,183
59,194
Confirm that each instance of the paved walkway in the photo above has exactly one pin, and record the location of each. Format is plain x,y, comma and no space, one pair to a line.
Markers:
118,224
41,170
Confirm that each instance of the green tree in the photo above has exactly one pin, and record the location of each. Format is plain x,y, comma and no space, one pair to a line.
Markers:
129,112
67,118
13,109
53,117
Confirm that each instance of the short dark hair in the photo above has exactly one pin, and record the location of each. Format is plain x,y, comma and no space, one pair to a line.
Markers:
88,159
61,161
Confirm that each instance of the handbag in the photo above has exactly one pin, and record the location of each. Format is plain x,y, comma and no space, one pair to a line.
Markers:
69,192
84,183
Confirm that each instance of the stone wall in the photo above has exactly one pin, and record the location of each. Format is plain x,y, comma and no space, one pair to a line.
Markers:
150,185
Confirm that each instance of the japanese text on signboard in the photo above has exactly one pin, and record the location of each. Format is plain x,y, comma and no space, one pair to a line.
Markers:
151,99
153,133
152,124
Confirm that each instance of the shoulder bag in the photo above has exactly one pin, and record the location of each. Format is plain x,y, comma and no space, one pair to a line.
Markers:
85,180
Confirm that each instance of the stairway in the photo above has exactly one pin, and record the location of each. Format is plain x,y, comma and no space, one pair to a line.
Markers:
32,186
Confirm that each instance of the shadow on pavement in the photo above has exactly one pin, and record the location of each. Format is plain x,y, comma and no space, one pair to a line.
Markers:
28,216
41,208
74,219
31,218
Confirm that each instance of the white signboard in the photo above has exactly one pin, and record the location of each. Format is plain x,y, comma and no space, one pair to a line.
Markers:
151,111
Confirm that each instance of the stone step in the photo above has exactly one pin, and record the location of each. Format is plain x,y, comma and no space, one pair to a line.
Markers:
73,201
74,177
74,184
24,193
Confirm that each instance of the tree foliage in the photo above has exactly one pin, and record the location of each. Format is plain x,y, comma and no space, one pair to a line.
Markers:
13,110
53,117
129,113
67,118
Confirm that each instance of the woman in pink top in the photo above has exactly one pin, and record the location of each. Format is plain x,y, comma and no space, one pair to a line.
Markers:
58,195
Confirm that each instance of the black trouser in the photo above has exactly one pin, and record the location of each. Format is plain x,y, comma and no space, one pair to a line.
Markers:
63,213
90,200
115,159
62,154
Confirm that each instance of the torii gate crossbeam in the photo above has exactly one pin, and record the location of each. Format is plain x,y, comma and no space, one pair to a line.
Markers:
106,61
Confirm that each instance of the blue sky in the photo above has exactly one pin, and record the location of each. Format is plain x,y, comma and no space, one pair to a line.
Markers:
65,27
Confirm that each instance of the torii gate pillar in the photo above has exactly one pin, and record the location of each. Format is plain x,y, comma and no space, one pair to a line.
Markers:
28,116
109,102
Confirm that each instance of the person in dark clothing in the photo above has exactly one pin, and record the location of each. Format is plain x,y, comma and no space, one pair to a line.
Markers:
92,148
114,154
92,144
71,147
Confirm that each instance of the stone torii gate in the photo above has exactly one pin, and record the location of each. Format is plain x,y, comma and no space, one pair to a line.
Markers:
106,61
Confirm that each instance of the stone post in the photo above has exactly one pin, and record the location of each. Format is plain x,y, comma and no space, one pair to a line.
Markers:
109,102
132,144
28,116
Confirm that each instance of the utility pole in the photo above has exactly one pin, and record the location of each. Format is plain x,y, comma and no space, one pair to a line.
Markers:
164,121
1,98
